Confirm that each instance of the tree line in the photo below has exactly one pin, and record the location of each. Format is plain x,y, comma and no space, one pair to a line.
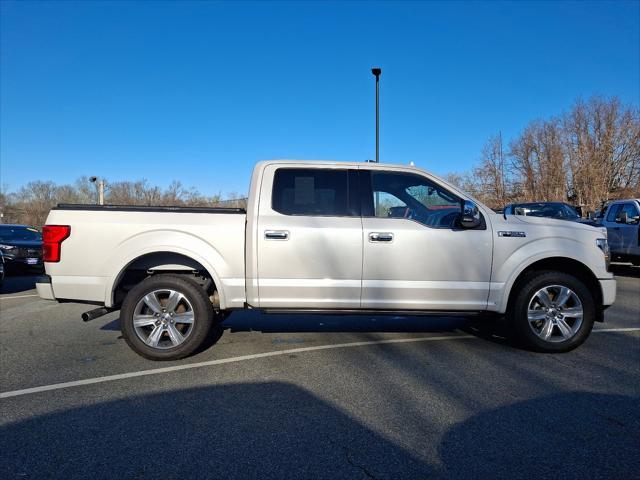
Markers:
31,203
585,156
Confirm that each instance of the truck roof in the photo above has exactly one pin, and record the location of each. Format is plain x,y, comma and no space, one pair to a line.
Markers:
341,164
622,200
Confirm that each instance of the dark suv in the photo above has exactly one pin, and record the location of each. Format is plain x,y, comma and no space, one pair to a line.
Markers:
21,248
558,210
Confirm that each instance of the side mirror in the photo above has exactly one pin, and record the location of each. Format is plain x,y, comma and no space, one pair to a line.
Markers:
470,217
622,218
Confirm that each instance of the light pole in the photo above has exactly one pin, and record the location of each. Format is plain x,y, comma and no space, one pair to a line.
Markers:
377,71
100,188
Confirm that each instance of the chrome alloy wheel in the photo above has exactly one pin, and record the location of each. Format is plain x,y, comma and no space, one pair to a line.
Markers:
555,313
163,318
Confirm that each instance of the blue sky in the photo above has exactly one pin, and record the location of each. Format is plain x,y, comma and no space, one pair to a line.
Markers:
198,92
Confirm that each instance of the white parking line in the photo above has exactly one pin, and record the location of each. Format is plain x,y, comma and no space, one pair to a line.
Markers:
156,371
18,296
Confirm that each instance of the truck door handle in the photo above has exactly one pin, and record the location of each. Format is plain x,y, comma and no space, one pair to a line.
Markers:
276,234
381,237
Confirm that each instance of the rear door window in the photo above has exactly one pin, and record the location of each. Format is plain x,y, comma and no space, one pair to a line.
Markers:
311,192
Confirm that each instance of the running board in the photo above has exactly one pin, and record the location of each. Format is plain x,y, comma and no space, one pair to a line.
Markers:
423,313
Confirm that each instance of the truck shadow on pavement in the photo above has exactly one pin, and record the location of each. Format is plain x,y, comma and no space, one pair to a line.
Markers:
488,328
250,430
568,435
253,320
279,430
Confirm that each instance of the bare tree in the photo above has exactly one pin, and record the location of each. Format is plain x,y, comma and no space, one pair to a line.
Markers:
602,142
491,178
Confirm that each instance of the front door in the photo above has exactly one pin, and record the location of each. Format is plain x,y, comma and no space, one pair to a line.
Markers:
629,231
613,229
415,255
310,239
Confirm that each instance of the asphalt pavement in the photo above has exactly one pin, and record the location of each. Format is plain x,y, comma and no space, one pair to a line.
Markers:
293,396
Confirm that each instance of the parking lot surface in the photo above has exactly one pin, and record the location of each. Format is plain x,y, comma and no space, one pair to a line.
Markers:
292,396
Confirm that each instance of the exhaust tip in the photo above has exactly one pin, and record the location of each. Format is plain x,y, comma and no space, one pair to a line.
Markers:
95,313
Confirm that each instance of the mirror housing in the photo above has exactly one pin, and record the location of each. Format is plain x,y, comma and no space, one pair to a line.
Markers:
470,217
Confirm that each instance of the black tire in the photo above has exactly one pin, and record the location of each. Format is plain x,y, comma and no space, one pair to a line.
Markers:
198,331
518,311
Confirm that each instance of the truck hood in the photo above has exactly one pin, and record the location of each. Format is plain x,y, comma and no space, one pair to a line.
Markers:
554,223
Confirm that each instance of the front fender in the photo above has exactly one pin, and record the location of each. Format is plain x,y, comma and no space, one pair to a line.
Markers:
511,260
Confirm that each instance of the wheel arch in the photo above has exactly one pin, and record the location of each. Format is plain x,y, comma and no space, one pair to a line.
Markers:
564,265
142,265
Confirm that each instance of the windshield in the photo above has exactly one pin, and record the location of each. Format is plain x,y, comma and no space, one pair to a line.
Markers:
550,210
9,234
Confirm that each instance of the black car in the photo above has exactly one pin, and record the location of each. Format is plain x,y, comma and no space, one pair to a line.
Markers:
558,210
21,248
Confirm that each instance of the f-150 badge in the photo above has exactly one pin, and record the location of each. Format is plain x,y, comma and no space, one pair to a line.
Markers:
511,234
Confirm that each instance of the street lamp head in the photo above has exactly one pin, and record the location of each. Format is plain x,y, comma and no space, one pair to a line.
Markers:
93,179
376,71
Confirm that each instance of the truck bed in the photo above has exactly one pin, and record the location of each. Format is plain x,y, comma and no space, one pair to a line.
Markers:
145,208
106,239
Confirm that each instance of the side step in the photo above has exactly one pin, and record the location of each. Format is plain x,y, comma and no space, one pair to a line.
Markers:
400,313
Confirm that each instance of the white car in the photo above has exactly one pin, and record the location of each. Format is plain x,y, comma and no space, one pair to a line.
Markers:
331,237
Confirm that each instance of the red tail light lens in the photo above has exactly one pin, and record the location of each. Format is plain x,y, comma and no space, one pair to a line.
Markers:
52,237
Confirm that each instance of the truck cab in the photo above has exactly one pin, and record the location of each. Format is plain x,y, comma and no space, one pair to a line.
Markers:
622,221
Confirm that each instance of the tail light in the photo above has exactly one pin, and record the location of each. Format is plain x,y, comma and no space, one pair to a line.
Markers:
52,237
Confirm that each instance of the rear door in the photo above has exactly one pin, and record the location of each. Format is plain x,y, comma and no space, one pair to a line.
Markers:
309,238
415,257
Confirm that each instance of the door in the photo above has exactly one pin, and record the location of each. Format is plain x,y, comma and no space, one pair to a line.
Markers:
415,256
614,231
309,238
629,231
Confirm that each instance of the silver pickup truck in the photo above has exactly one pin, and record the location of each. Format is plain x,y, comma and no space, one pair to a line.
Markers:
330,237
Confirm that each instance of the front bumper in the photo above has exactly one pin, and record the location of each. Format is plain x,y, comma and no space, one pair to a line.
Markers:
44,288
608,287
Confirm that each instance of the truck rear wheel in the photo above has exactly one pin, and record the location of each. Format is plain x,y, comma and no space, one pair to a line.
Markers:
166,317
552,312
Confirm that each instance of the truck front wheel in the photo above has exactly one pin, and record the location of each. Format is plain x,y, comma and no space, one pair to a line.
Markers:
166,317
552,312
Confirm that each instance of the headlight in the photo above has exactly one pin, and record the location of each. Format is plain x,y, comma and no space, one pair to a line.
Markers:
7,247
604,246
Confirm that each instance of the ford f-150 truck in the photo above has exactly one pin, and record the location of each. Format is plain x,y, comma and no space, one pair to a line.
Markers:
327,237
